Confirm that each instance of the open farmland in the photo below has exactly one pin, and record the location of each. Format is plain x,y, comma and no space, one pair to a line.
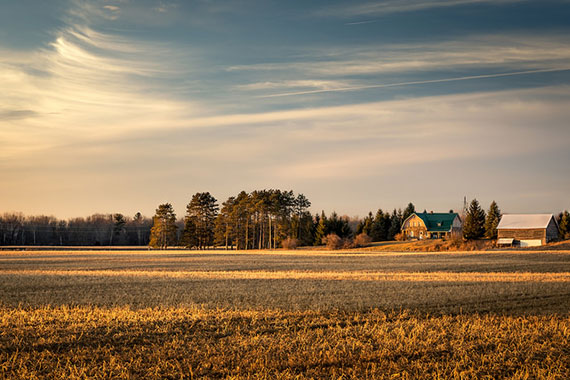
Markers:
284,314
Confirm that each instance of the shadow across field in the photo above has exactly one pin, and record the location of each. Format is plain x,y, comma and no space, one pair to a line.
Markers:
289,260
442,283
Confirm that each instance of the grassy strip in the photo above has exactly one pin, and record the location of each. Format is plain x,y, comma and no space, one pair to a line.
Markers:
298,275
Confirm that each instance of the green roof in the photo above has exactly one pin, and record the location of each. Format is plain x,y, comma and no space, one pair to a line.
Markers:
438,221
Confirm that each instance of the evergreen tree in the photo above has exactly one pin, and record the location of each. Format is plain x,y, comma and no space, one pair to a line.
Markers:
564,226
163,231
321,230
409,210
300,205
474,226
379,226
119,223
338,226
189,237
306,236
200,220
492,221
360,227
345,231
225,228
240,216
395,224
367,225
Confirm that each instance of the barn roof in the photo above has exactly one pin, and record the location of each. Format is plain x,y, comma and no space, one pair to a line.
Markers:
524,221
438,221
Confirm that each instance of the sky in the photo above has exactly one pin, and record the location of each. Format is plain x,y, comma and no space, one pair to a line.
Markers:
121,105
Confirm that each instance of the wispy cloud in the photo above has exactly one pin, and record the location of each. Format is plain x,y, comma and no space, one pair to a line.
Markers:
368,67
313,84
402,84
361,22
85,84
112,8
164,7
518,52
16,114
379,8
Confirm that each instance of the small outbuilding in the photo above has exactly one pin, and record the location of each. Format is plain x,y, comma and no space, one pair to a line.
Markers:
424,225
527,230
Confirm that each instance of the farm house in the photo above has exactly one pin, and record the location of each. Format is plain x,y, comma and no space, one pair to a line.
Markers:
527,230
423,225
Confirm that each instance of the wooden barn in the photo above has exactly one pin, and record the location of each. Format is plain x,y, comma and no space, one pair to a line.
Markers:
424,225
527,230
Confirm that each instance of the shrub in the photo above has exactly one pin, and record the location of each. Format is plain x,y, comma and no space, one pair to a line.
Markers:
333,241
399,237
362,240
348,243
456,241
290,243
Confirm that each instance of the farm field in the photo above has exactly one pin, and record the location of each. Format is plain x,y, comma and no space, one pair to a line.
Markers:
284,314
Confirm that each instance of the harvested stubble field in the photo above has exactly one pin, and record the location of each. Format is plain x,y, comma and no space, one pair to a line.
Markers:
214,314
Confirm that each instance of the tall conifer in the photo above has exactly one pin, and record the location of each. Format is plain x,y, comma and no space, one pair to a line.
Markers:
492,221
474,226
163,231
564,226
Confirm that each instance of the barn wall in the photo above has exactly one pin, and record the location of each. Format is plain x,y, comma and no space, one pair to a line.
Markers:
524,234
551,231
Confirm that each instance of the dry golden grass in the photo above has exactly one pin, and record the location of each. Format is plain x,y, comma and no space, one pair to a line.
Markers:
100,343
180,314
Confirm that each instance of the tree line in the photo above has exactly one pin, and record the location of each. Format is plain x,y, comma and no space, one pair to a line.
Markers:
261,219
266,219
94,230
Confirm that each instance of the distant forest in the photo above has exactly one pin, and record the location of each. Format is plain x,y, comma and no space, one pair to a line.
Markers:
262,219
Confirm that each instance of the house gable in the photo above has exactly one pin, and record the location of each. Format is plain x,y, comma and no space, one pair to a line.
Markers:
413,221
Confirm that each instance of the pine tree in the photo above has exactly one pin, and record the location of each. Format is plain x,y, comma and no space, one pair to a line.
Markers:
200,220
119,222
163,231
379,226
368,222
322,229
224,231
564,226
474,226
395,224
306,237
189,237
492,221
300,205
409,210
